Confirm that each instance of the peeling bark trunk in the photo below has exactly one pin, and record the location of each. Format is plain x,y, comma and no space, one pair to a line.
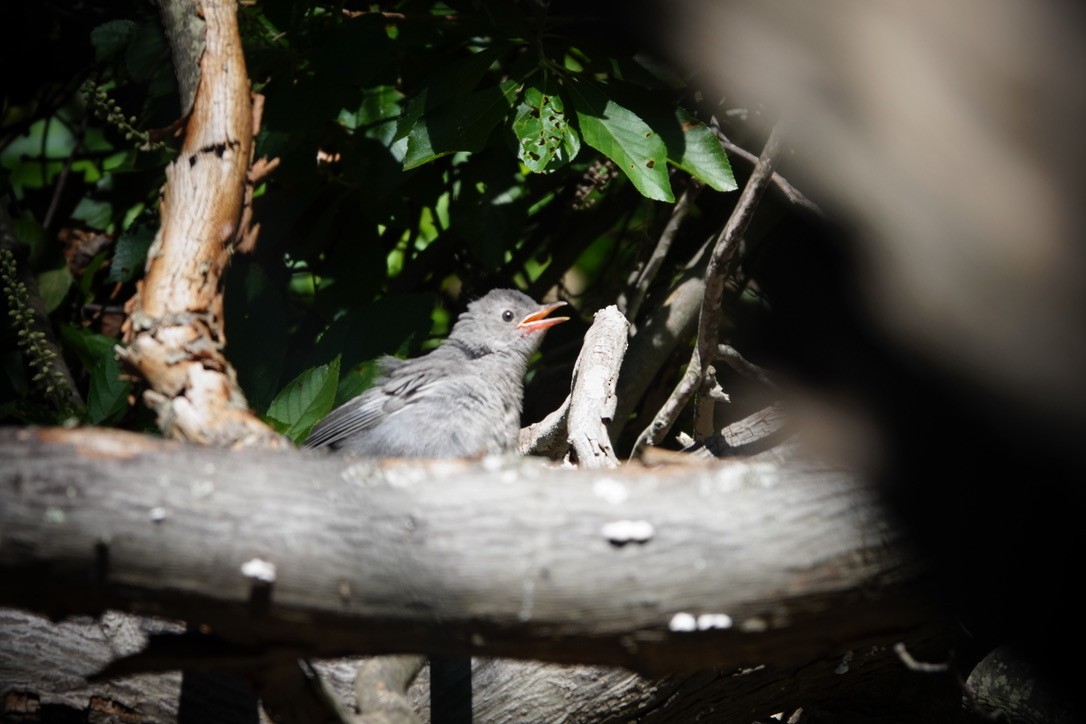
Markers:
175,326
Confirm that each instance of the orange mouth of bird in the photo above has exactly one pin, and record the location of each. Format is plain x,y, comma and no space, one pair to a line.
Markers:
538,320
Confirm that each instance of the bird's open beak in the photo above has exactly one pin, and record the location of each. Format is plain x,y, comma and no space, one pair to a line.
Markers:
538,319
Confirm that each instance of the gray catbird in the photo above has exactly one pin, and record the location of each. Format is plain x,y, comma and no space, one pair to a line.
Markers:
462,399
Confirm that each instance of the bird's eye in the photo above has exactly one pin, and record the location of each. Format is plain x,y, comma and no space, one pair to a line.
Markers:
507,315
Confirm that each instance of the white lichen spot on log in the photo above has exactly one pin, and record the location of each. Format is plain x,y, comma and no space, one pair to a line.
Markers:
621,532
842,668
525,613
404,476
611,490
709,621
54,515
735,477
754,625
686,622
259,569
750,670
360,473
202,488
158,514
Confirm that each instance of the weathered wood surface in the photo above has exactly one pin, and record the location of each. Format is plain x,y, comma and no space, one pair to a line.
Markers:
763,561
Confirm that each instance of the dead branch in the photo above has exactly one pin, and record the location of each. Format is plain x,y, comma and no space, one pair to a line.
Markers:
724,249
175,325
579,425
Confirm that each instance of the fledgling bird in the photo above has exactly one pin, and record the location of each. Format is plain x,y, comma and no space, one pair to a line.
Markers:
462,399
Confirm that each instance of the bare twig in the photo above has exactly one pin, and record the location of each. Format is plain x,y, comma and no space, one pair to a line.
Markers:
727,243
783,185
751,435
672,320
914,665
635,295
740,364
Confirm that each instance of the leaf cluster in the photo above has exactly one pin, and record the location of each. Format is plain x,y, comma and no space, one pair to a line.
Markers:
427,153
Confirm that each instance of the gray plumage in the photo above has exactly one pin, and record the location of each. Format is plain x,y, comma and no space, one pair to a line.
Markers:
463,399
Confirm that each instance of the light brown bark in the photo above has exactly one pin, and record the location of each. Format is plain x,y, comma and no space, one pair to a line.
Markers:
175,327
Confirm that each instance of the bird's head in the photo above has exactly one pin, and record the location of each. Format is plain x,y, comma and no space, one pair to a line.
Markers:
504,320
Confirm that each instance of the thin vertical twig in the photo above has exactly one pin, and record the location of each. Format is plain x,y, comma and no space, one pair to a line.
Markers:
720,265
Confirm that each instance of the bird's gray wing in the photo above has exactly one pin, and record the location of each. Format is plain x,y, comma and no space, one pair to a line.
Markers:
401,382
349,419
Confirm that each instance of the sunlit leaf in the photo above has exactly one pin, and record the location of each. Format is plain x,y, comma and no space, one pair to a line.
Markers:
694,148
545,139
621,135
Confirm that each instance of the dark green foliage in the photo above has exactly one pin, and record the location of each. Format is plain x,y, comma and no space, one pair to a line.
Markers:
427,154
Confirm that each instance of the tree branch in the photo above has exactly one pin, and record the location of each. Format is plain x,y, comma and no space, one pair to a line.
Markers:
727,243
350,556
175,324
579,425
789,191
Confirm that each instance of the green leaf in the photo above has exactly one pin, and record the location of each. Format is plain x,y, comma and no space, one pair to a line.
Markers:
463,124
147,52
693,147
53,286
110,38
358,380
303,402
449,82
30,232
107,399
621,135
90,347
131,253
545,139
86,279
95,214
